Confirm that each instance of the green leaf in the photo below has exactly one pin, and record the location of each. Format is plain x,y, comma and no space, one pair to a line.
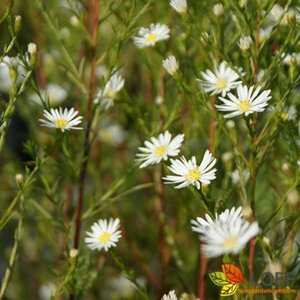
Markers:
229,289
218,278
5,8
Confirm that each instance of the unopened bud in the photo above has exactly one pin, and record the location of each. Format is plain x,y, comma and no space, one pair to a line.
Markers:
268,243
32,53
18,23
248,213
218,9
230,124
73,253
19,178
293,198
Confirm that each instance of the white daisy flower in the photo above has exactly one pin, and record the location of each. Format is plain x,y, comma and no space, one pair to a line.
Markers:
150,36
223,80
170,296
105,234
189,173
61,119
171,65
109,93
179,5
245,42
160,148
247,102
228,233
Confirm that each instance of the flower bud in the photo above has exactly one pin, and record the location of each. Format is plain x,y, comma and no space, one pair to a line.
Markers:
32,53
218,9
293,199
19,178
18,23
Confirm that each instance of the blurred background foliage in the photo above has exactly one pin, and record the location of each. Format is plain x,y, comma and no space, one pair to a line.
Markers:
151,102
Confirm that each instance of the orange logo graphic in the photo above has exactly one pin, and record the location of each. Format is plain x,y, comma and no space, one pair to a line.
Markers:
229,279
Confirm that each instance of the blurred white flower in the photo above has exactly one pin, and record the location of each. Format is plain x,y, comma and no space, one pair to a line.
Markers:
170,296
160,148
61,119
228,233
113,134
247,102
179,5
264,33
171,65
74,21
150,36
289,113
189,173
218,9
293,58
223,80
54,93
227,156
10,68
276,13
104,234
235,176
245,42
47,290
159,100
110,91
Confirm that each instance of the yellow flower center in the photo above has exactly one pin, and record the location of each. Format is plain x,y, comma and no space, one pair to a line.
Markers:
150,38
160,151
244,105
111,93
193,175
284,116
104,237
230,242
221,83
61,123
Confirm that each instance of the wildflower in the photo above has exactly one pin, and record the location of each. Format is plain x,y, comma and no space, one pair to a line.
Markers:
276,13
290,59
179,5
228,233
104,235
113,135
110,91
171,65
170,296
159,149
223,80
289,113
54,94
264,33
245,42
150,36
235,176
189,173
218,9
247,102
61,119
11,69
